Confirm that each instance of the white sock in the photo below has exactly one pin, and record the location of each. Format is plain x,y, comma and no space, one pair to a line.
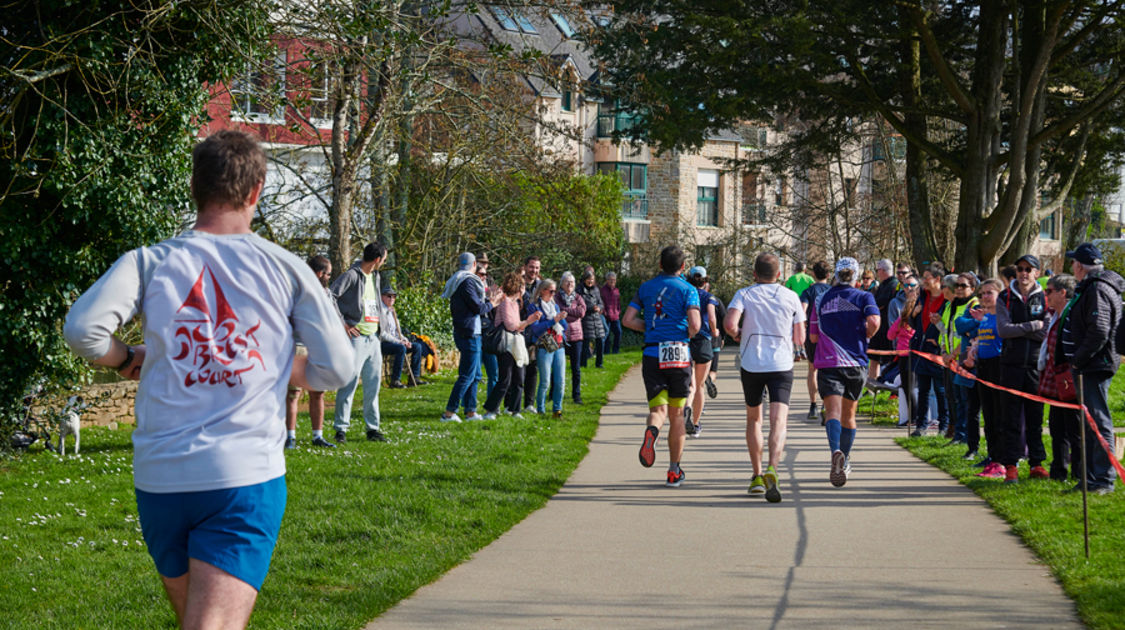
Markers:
318,434
293,434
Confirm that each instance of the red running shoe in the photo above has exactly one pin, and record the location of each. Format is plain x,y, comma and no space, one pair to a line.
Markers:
648,447
1038,472
675,478
1011,474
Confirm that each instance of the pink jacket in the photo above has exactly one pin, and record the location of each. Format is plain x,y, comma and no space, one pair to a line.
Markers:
901,333
508,314
574,314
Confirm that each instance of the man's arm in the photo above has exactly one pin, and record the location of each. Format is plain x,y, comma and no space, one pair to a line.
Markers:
799,335
694,322
1008,330
99,312
872,325
632,319
731,325
711,320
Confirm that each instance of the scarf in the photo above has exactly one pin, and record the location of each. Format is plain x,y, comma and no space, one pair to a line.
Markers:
455,281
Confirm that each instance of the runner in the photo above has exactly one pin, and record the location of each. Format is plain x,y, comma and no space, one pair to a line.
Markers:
670,308
809,299
702,350
842,322
768,320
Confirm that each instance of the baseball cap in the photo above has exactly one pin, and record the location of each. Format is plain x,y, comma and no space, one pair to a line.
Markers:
1087,254
697,270
389,291
466,259
1030,259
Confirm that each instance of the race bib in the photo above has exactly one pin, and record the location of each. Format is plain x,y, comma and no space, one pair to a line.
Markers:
371,311
673,354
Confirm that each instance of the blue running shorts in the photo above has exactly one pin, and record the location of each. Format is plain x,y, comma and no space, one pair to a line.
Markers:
234,529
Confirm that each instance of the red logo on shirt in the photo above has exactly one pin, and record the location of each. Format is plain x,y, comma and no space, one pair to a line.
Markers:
210,341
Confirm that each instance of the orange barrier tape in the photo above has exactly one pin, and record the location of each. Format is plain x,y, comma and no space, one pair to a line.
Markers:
957,369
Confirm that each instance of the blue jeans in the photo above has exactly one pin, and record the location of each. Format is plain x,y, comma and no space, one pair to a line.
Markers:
1095,395
927,382
399,352
968,416
491,365
612,340
551,367
369,367
464,392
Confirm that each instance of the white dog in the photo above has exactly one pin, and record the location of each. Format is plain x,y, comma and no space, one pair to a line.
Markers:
70,424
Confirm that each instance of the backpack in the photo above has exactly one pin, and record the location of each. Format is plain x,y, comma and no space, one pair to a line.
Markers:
491,335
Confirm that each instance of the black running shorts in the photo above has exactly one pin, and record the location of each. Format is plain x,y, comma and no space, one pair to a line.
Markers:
701,351
779,385
841,381
676,381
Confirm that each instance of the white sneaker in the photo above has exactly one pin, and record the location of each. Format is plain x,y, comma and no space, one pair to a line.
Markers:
473,418
517,416
488,416
530,409
453,418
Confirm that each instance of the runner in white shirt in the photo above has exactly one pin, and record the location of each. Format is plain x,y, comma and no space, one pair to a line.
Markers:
768,321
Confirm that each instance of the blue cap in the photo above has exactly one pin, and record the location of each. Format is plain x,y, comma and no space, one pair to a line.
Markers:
697,270
1087,254
466,260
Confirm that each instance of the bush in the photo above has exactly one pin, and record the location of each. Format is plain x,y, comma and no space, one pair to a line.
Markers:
422,310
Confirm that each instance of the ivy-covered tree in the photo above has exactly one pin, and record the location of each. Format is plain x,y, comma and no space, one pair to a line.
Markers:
100,104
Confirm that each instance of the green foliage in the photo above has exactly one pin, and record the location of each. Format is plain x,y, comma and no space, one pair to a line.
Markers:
421,310
100,103
366,524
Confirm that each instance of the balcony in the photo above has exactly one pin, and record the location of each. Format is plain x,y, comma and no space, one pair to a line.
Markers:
634,208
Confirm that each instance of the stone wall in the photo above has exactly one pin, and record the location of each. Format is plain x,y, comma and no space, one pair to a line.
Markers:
110,403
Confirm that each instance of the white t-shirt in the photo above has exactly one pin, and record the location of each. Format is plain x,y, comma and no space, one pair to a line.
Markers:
768,314
221,318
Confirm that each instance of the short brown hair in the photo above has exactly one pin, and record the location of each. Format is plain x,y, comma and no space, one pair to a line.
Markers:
766,266
225,168
512,284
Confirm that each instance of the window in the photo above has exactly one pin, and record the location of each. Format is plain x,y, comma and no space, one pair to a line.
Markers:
1047,228
634,178
567,99
780,191
320,92
756,139
896,144
259,95
563,24
753,206
513,20
707,198
612,119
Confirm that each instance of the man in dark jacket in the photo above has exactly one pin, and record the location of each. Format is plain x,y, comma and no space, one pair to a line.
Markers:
357,293
1089,326
1021,321
884,293
468,301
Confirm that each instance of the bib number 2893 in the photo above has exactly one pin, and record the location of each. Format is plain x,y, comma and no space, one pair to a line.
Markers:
674,354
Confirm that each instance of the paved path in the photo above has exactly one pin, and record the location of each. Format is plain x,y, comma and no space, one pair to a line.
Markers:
901,543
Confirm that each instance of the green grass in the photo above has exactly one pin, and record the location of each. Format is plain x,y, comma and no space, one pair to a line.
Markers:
1050,522
366,524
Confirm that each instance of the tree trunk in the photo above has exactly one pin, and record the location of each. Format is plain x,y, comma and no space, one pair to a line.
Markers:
917,192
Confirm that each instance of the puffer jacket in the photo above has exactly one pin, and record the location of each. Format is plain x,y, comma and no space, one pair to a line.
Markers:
593,326
1091,324
1022,324
575,309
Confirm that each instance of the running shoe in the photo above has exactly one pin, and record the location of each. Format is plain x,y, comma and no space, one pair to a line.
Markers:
712,389
323,443
1038,472
773,494
1011,474
757,485
695,430
992,471
812,412
675,478
970,456
839,473
488,416
648,447
688,426
984,462
290,443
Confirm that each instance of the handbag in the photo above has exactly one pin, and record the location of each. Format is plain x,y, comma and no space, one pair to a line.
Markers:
1064,385
548,342
491,336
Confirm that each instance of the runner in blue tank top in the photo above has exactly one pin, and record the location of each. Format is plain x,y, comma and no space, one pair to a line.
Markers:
843,320
666,310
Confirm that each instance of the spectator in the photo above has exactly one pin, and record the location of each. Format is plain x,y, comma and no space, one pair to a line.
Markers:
867,281
800,280
322,269
397,345
468,300
901,333
1089,335
357,294
207,465
508,317
548,333
574,306
531,280
593,322
1021,312
488,360
950,341
611,298
1064,424
884,293
984,355
809,298
925,319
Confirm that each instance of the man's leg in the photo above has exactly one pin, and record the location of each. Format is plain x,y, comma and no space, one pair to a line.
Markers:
813,391
417,349
779,426
176,589
531,377
491,365
469,398
1095,394
700,371
292,401
754,437
464,365
372,379
676,433
316,411
344,395
397,352
215,598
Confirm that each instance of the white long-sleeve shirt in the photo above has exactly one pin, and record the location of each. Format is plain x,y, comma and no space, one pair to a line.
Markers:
222,314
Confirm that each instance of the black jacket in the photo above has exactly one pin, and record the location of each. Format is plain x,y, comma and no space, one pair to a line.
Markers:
1088,332
1022,324
592,326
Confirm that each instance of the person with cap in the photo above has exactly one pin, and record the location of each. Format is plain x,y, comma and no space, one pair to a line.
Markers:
884,294
468,300
810,297
396,344
357,294
925,321
843,321
701,350
1089,335
1021,321
666,310
769,323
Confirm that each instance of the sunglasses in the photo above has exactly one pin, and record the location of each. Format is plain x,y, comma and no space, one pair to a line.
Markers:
1024,269
1049,290
901,273
912,285
962,285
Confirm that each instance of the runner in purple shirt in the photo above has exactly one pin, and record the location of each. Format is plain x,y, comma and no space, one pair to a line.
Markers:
841,324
